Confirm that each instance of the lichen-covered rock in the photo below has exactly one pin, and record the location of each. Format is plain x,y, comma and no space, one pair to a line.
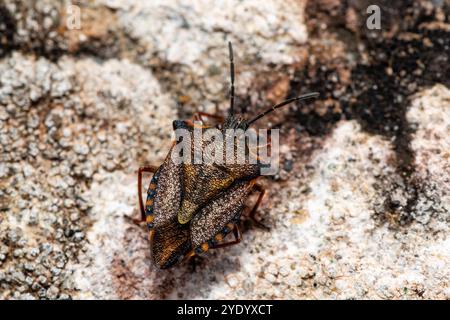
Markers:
184,36
65,127
430,113
360,208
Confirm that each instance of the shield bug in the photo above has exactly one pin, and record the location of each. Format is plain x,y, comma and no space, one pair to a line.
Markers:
191,207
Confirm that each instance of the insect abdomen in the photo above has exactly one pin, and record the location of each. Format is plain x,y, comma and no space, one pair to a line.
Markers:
171,243
149,203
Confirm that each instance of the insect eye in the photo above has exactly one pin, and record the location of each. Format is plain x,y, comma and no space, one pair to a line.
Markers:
179,124
198,250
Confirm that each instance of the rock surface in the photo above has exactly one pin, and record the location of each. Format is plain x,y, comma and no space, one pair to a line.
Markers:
359,210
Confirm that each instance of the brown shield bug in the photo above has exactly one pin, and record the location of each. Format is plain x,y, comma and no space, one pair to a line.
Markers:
192,207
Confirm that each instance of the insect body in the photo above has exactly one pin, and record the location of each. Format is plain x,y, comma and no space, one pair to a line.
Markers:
190,207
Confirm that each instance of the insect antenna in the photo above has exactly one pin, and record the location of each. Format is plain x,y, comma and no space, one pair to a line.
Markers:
281,104
230,49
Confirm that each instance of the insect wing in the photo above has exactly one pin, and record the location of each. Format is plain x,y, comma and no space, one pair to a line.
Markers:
168,192
212,219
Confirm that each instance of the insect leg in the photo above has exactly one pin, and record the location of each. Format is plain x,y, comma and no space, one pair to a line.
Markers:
237,239
197,116
252,212
141,170
194,261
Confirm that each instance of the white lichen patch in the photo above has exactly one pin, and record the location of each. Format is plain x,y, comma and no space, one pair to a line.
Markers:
430,113
115,202
184,34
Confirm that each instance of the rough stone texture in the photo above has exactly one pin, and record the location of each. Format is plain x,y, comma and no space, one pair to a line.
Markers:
360,208
431,144
184,36
66,128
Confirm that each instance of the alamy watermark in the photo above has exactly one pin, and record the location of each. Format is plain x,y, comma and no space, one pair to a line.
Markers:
374,20
73,19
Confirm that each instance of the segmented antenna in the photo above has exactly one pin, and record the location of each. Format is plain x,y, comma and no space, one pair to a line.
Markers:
230,49
281,104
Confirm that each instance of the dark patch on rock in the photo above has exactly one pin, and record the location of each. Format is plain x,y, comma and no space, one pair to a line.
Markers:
7,30
25,30
387,66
